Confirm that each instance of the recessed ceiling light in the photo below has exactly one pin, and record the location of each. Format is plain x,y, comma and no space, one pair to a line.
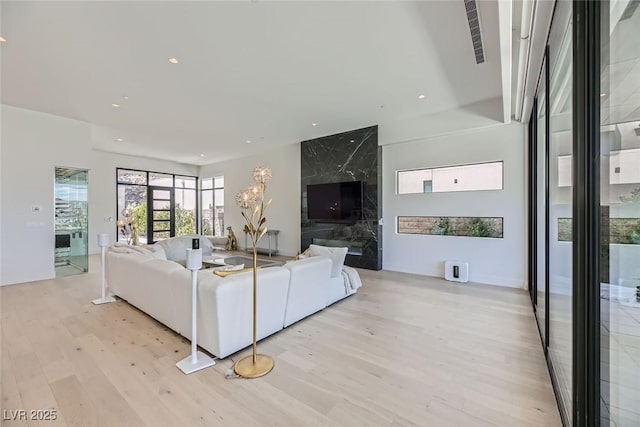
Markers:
352,140
173,60
248,141
420,96
2,40
201,155
118,140
603,95
115,105
125,97
314,124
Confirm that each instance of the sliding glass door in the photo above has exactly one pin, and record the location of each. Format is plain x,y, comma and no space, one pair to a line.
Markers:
559,236
620,207
586,187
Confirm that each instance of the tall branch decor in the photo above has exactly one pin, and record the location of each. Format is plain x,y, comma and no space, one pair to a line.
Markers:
252,204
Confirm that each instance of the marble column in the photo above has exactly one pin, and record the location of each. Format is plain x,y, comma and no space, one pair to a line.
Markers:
348,156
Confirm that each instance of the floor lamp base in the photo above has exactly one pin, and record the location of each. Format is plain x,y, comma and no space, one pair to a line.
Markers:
103,300
247,369
202,361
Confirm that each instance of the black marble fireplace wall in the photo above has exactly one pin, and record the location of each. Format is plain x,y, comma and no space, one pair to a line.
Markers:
348,156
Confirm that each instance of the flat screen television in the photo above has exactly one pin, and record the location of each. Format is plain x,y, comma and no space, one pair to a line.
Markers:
335,201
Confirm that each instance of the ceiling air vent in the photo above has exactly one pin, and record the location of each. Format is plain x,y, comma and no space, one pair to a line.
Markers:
474,27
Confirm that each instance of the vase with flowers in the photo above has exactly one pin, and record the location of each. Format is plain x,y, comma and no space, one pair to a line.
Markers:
127,227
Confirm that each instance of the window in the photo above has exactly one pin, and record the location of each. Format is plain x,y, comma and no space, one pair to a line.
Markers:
132,197
160,205
564,171
212,196
185,205
452,226
474,177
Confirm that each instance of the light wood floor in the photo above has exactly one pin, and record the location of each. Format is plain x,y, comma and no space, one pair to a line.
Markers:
406,350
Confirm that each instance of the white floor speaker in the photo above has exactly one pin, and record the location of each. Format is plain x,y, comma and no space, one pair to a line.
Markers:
456,271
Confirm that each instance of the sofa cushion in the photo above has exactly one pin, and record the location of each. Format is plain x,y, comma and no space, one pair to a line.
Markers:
123,248
158,252
337,256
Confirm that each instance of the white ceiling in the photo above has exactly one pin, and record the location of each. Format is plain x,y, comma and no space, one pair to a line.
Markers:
259,71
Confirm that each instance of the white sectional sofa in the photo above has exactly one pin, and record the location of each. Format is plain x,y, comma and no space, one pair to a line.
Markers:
162,289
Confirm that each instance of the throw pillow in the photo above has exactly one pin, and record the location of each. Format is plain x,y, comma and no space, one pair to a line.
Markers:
337,256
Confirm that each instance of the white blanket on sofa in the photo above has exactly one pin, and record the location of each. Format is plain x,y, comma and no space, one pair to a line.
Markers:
351,279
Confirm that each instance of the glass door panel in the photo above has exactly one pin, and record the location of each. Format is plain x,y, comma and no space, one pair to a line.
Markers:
541,205
560,204
620,200
162,225
161,205
71,221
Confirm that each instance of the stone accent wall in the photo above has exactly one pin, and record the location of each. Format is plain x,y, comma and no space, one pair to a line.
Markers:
348,156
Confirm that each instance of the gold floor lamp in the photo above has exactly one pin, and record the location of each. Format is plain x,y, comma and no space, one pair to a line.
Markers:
251,202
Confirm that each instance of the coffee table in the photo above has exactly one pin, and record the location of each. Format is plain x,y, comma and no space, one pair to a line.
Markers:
221,261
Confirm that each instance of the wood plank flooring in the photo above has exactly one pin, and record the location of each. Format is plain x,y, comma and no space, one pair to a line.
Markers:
406,350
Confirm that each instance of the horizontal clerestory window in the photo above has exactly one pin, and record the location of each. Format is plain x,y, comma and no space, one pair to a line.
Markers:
472,177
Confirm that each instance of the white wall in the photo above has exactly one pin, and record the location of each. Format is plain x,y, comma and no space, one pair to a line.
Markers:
284,189
493,261
33,144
